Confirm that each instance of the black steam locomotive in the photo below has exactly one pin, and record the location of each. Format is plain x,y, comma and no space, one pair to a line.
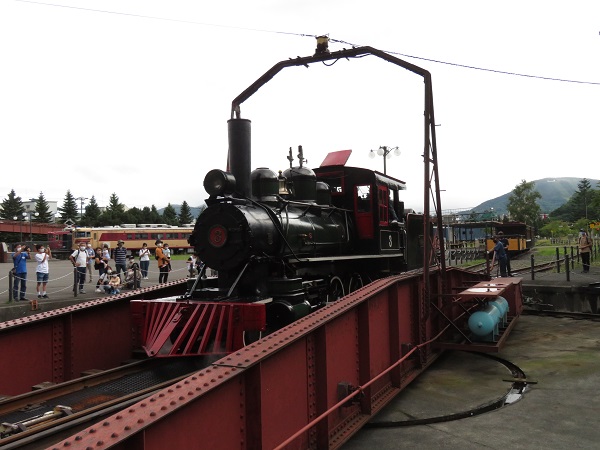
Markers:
302,237
286,243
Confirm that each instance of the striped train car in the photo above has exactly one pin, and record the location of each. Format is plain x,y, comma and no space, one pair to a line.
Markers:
133,235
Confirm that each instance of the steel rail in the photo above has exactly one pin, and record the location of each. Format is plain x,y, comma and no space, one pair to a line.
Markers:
58,424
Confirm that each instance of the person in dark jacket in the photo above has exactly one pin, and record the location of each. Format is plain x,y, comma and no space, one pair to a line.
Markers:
120,258
506,243
499,256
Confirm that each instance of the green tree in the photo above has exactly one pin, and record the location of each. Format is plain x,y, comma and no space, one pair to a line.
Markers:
555,228
594,212
91,216
44,215
134,215
170,215
582,199
115,211
185,214
522,204
12,206
69,209
154,216
583,204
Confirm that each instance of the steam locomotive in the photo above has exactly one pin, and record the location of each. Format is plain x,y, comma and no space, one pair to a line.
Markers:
286,243
303,237
294,242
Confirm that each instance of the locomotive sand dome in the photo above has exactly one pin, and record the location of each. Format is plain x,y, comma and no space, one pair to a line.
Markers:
265,185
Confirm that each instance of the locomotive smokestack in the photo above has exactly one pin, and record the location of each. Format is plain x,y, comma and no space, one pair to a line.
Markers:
240,153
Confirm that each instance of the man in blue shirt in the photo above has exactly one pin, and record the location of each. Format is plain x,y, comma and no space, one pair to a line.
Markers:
20,258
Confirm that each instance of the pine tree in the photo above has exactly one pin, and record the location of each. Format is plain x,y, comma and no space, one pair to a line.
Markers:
170,215
185,214
44,215
91,217
69,209
155,216
115,211
582,199
12,207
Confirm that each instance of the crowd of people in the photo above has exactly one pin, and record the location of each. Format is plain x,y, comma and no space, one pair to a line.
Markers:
126,272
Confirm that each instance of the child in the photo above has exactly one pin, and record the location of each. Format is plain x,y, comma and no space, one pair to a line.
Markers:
191,267
103,280
167,252
114,284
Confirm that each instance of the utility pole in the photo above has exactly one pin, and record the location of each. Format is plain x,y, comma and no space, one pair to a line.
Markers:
81,199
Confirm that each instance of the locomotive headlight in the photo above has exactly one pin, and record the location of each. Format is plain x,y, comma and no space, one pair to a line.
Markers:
218,182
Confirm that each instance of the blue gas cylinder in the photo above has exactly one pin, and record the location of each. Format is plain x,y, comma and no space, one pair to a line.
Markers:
501,304
484,321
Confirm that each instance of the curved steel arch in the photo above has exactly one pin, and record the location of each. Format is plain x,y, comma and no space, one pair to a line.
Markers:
429,151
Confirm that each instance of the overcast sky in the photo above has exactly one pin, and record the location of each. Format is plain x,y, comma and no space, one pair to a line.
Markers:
132,97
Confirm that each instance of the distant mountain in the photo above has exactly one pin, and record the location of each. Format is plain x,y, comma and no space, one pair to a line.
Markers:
555,192
194,210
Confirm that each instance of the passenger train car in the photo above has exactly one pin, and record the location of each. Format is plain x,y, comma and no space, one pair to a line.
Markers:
478,235
133,235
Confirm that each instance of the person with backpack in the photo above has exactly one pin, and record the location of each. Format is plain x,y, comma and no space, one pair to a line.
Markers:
79,259
585,249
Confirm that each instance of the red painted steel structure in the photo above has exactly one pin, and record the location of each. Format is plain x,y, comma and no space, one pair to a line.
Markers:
59,345
23,226
309,385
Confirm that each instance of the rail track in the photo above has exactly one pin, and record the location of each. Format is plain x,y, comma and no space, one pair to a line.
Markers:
51,412
520,265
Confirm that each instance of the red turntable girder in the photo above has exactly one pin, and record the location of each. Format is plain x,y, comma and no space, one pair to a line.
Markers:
309,385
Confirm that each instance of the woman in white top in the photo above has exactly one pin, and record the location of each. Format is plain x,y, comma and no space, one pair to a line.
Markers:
42,271
144,260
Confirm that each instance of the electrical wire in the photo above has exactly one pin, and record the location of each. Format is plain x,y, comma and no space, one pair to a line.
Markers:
339,41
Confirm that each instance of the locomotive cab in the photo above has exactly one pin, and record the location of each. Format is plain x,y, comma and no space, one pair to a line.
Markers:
374,200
